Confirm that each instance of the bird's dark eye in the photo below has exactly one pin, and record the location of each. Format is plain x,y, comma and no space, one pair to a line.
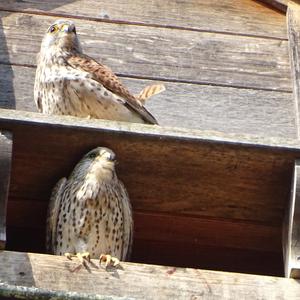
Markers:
53,28
92,155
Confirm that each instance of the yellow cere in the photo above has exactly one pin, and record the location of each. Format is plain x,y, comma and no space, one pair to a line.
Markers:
63,27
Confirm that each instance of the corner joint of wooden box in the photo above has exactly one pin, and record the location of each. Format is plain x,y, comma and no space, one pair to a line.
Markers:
6,141
291,228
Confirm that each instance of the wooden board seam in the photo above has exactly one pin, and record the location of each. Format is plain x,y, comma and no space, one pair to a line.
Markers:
173,80
132,23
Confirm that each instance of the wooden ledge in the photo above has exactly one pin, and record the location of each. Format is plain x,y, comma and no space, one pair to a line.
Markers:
28,274
11,119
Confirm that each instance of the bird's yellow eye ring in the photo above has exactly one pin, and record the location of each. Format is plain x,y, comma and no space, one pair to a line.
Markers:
53,29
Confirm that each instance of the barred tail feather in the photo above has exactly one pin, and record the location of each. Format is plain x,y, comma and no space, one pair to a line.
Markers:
150,91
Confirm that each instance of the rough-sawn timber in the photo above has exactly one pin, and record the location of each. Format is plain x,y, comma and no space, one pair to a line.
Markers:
132,281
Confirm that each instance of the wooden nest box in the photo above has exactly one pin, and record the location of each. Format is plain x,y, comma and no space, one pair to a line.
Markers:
214,190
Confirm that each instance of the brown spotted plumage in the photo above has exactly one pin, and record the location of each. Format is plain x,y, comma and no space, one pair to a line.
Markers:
90,212
70,82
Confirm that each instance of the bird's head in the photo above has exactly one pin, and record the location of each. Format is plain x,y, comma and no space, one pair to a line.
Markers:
61,35
99,164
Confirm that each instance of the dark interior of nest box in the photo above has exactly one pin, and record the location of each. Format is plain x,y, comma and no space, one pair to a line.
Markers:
196,203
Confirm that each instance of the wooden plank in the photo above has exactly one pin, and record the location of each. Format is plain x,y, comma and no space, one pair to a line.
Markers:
189,230
5,167
277,4
265,113
225,16
256,190
133,280
165,239
293,24
160,53
291,229
216,258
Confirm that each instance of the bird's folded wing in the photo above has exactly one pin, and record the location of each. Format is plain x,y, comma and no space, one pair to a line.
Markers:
110,81
128,228
53,214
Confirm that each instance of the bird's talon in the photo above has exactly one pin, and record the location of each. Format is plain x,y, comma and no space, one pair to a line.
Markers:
109,260
68,255
115,261
86,255
83,257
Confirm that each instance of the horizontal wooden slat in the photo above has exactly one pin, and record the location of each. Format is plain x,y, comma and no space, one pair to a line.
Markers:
160,53
265,113
208,257
134,280
209,232
213,15
183,172
160,227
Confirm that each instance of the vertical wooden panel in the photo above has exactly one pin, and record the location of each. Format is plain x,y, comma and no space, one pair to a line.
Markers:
291,229
293,23
5,166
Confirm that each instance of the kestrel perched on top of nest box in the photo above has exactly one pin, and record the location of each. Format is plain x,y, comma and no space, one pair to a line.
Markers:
89,213
69,82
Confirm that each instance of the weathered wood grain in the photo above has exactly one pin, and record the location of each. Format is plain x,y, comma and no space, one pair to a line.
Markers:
5,167
134,280
160,53
293,24
291,227
218,16
264,113
178,171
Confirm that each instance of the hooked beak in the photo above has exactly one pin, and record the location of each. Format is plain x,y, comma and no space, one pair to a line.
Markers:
112,157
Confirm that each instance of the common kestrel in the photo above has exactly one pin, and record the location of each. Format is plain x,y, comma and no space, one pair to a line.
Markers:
89,213
69,82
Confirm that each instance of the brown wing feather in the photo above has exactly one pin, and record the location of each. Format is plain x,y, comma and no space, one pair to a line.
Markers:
110,81
53,214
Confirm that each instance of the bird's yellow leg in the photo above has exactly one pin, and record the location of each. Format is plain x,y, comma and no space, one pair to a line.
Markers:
109,260
81,256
